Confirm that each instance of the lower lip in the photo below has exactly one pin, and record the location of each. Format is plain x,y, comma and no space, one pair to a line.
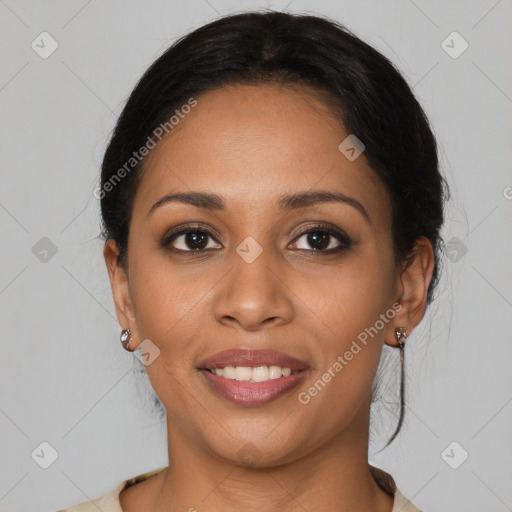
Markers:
252,393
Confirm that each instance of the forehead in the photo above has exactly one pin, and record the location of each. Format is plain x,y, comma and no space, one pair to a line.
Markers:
251,144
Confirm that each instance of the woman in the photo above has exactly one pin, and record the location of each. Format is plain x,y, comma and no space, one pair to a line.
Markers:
272,203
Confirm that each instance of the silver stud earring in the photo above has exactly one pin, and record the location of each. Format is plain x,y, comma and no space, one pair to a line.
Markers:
126,338
401,335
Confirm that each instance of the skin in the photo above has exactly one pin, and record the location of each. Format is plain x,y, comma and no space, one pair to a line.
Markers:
250,145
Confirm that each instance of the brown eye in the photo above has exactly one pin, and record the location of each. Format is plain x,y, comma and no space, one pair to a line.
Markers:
323,240
190,240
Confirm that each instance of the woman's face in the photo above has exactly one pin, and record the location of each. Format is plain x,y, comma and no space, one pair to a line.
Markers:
256,279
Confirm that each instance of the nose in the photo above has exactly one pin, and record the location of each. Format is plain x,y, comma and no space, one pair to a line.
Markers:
254,294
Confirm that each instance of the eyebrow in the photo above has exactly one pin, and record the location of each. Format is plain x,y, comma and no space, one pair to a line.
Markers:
285,203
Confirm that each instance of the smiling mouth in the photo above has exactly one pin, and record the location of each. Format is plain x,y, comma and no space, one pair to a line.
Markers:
253,374
252,386
251,377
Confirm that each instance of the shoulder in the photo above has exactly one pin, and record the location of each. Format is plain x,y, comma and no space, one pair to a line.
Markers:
110,501
388,484
402,504
107,503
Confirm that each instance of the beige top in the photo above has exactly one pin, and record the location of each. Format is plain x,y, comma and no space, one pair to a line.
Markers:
110,501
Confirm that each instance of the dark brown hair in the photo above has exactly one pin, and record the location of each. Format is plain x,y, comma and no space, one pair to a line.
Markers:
279,48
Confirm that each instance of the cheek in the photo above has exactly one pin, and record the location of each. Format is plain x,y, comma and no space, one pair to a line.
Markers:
352,295
166,298
348,314
351,311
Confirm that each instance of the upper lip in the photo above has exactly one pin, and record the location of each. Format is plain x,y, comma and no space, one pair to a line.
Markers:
251,358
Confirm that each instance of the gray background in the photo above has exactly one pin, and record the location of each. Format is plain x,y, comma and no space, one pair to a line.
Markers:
65,378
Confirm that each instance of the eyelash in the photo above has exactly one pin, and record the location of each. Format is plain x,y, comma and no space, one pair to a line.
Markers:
342,237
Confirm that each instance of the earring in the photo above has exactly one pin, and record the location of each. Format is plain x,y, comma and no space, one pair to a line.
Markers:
401,336
126,338
400,333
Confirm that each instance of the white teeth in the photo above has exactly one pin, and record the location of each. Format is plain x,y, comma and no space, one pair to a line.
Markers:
275,372
260,374
254,374
243,373
228,372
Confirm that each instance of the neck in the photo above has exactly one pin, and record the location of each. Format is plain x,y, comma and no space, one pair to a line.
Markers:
334,477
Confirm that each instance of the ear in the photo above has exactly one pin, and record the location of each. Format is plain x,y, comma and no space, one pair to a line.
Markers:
121,291
413,282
